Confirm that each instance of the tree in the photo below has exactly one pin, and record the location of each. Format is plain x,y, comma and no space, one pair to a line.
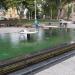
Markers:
49,7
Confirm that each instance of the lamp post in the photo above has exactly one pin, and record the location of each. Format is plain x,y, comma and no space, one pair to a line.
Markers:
35,9
36,22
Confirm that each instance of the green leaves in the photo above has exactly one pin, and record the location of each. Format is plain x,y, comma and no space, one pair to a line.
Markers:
48,6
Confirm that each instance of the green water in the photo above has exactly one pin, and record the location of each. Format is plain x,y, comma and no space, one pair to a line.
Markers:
15,44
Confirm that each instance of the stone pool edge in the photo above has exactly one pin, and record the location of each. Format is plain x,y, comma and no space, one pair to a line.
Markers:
16,64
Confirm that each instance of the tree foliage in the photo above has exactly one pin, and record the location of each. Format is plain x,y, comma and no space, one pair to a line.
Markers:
47,5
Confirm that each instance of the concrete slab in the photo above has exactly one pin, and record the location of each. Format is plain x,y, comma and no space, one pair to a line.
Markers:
37,68
66,67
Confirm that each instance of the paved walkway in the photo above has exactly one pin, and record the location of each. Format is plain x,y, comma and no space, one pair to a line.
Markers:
49,67
66,67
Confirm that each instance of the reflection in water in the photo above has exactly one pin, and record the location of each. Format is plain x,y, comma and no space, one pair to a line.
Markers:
14,44
14,38
22,37
72,35
40,34
4,35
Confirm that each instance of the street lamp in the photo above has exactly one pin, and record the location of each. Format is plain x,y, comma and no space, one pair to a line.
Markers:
35,9
36,22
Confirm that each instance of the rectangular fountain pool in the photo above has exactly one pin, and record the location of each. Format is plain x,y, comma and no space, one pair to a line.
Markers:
15,44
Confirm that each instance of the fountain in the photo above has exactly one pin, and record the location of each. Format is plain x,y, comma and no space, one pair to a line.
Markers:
28,32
